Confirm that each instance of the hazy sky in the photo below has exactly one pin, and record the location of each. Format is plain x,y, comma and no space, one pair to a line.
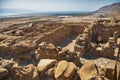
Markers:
55,5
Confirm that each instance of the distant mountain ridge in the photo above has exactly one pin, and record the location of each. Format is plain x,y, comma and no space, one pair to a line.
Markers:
110,9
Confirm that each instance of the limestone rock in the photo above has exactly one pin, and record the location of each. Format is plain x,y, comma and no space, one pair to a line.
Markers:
65,70
7,63
44,65
47,51
70,71
3,72
62,55
52,51
88,70
23,47
61,67
6,44
25,72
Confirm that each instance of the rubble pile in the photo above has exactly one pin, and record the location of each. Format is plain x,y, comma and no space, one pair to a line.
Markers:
52,69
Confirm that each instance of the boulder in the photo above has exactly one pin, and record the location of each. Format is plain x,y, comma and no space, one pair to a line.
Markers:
74,57
7,63
28,72
52,51
88,70
62,55
70,71
65,70
47,51
44,65
61,67
3,72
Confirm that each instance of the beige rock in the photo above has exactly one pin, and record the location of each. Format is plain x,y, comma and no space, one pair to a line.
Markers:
88,70
6,44
23,47
7,63
47,51
61,67
25,72
3,72
42,45
51,51
44,65
62,55
70,71
65,70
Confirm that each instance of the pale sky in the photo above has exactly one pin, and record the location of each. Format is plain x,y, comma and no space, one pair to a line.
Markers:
55,5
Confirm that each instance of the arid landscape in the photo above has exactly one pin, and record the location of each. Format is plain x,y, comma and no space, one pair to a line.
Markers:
57,47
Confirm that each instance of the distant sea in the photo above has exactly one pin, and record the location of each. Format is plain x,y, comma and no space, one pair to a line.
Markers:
6,13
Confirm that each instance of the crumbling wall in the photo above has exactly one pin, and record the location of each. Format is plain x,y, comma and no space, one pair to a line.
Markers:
103,31
56,35
78,28
113,29
100,33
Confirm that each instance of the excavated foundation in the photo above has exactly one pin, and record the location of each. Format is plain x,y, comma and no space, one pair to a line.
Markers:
21,37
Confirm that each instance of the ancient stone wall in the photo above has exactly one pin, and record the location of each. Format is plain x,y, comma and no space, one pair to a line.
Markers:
103,31
61,33
113,29
78,28
56,35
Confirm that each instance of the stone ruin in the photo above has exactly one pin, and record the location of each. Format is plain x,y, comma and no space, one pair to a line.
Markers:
32,59
96,40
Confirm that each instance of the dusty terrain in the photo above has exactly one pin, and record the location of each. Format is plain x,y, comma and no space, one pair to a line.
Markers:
60,48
